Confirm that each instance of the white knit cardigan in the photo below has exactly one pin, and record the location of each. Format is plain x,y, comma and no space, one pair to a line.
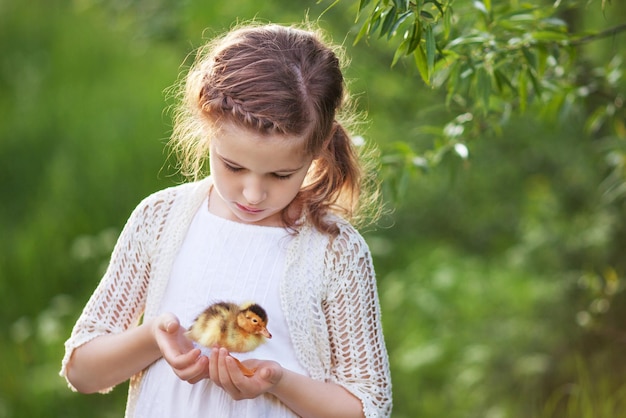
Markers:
328,295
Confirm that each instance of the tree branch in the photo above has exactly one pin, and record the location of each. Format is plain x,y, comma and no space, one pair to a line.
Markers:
604,34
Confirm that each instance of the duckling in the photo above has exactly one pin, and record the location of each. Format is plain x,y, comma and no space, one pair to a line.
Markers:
238,328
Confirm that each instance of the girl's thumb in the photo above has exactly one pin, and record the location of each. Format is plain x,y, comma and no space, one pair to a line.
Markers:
169,323
268,374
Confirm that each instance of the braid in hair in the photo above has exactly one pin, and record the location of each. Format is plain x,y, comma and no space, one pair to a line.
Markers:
276,80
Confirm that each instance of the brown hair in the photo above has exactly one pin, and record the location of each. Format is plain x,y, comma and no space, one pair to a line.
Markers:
276,80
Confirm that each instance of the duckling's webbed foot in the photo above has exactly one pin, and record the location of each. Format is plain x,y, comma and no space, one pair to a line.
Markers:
246,371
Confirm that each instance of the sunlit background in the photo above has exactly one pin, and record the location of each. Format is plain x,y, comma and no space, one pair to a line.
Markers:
500,270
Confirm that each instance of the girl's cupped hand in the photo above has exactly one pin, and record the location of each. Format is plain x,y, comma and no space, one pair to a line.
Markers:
186,361
224,372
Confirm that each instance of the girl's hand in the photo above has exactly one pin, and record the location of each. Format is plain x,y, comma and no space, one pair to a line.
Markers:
178,350
225,373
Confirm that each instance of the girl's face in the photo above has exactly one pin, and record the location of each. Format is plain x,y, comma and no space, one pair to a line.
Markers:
255,176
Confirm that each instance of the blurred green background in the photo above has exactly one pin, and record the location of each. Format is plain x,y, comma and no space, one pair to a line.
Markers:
501,276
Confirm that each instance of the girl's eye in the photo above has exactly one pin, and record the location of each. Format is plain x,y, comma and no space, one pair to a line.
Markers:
236,169
282,176
232,168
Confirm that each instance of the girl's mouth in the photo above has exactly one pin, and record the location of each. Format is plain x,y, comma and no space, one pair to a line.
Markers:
248,209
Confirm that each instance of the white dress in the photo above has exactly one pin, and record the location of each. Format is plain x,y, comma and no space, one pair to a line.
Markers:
328,295
222,260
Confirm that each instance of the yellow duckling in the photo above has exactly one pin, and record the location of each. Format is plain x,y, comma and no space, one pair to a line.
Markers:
237,328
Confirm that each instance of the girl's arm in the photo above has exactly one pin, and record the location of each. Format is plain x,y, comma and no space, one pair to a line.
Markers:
110,359
312,398
305,396
106,346
352,310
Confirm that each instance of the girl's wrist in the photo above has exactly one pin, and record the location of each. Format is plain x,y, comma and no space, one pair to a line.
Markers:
280,379
153,325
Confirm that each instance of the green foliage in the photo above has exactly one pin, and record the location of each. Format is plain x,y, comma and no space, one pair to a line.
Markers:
447,325
587,397
515,230
502,273
67,104
497,59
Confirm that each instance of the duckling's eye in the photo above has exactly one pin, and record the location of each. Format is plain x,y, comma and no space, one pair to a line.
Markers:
254,320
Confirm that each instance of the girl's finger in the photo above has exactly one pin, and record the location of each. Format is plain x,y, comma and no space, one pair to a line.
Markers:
214,374
234,372
182,361
197,372
168,322
225,364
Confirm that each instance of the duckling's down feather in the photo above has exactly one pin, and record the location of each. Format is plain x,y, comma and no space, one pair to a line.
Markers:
237,328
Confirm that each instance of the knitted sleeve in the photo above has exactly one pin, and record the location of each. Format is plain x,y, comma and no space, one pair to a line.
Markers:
119,300
359,357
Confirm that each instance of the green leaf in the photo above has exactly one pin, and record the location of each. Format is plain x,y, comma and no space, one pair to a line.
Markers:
362,32
422,64
552,108
443,69
535,82
555,23
363,4
483,86
416,36
542,59
519,15
595,121
374,23
453,82
549,36
522,92
467,40
502,80
438,5
401,4
375,17
431,48
530,58
447,22
401,19
480,6
388,22
329,7
402,48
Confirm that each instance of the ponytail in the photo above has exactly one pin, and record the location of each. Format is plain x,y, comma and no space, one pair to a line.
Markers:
343,170
335,183
284,81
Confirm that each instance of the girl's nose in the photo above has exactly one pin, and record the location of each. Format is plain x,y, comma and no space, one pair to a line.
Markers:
254,192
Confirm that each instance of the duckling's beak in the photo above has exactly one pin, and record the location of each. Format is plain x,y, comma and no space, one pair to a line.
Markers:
266,333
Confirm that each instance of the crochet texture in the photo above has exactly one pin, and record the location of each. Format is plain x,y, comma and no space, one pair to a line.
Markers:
329,295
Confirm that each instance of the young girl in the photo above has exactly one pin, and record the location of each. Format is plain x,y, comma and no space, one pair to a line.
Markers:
270,225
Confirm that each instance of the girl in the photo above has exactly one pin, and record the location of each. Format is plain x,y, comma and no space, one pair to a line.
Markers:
270,224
